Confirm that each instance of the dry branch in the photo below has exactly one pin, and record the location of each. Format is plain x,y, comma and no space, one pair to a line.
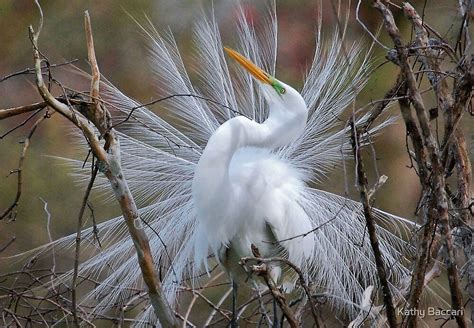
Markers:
370,224
10,211
97,121
32,70
261,270
429,156
78,244
8,112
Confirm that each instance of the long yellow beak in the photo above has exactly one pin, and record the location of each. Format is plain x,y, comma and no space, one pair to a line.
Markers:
256,71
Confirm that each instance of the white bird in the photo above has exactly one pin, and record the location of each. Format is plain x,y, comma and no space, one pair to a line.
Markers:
243,193
210,182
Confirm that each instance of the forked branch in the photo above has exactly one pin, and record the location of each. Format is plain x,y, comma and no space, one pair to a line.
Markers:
95,123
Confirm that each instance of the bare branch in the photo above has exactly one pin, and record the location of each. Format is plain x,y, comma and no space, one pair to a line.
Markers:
370,224
429,158
78,244
32,70
5,113
95,83
4,247
97,118
261,270
10,211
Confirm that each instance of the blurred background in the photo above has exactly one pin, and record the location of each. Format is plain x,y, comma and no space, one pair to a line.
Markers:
122,55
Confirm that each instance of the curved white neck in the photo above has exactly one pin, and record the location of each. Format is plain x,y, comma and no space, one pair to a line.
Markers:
213,168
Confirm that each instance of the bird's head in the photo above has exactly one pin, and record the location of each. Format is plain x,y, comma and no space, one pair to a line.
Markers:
281,97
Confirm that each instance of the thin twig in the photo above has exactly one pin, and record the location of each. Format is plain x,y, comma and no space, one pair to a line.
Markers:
16,127
322,225
4,247
10,211
153,102
77,251
32,70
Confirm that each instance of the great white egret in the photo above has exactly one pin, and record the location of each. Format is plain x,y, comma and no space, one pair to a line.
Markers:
212,183
243,193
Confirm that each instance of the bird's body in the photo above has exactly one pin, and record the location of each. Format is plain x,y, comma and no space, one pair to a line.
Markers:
245,194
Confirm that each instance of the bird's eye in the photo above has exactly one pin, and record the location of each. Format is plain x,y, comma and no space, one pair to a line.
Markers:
282,91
